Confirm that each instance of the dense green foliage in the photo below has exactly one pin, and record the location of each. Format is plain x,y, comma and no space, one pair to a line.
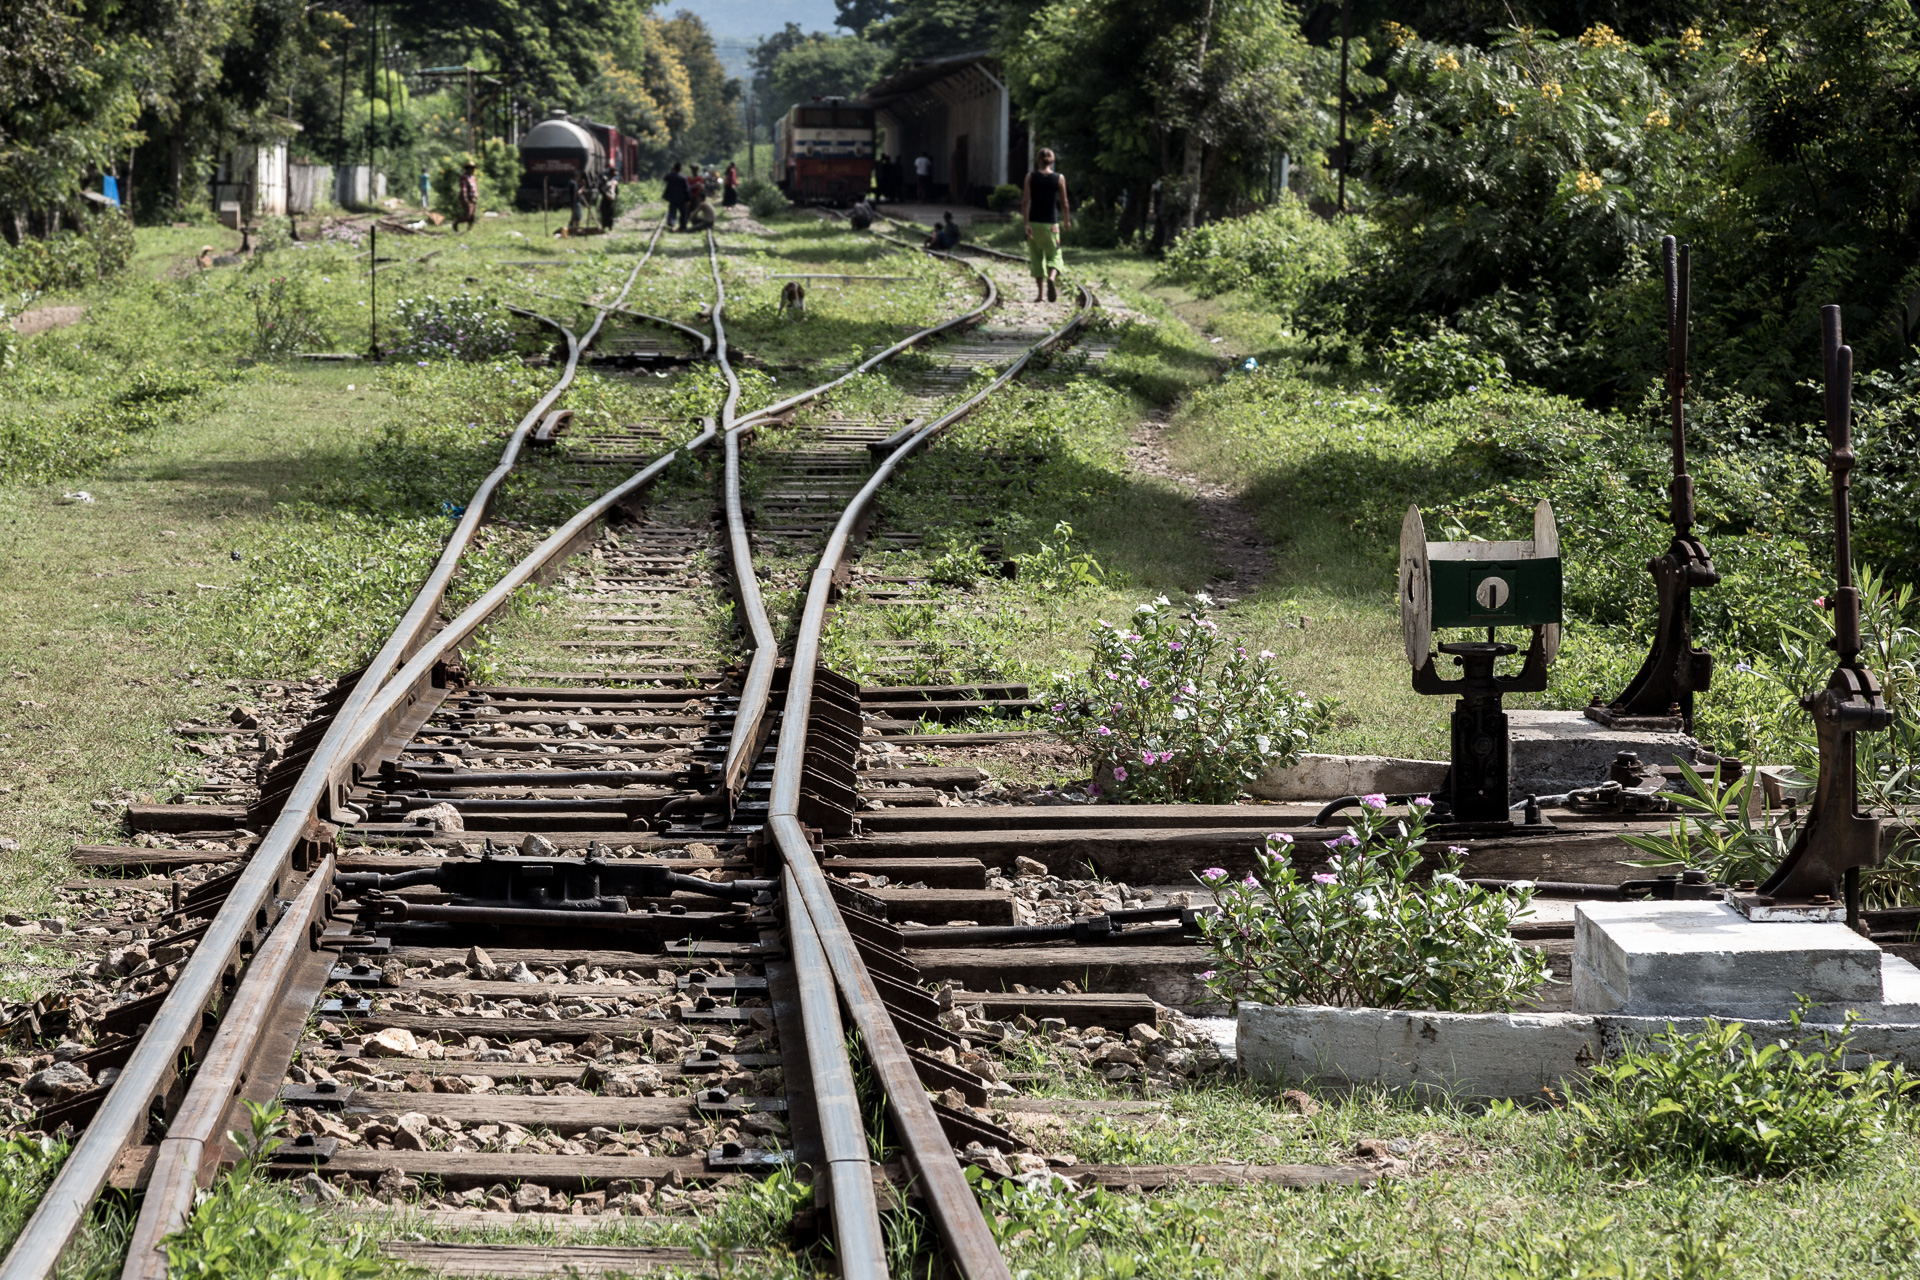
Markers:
1715,1100
1280,255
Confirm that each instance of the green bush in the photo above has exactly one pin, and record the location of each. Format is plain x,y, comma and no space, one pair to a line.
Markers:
98,251
1005,198
1444,363
462,327
1365,932
286,315
1173,711
1279,255
1714,1100
762,198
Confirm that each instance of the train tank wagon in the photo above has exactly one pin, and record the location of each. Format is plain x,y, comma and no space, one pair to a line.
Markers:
556,154
825,151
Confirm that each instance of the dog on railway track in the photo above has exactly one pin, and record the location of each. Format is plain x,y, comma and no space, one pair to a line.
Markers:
793,301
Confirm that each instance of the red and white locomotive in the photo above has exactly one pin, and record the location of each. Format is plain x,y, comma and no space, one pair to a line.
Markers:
823,151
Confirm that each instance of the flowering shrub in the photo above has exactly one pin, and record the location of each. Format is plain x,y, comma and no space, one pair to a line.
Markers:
462,327
1363,932
1168,710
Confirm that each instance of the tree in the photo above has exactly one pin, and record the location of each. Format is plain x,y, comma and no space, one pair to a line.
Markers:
69,96
857,15
1124,88
825,67
549,49
922,29
715,129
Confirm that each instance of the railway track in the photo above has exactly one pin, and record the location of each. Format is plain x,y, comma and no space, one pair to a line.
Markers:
591,940
632,987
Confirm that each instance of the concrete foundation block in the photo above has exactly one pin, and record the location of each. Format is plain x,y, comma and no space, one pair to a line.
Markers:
1555,751
1463,1055
1330,777
1693,959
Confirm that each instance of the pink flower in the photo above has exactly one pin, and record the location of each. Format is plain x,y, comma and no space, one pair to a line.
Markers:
1457,850
1266,653
1279,837
1143,682
1375,801
1093,789
1207,976
1208,623
1119,773
1113,675
1252,881
1059,706
1214,873
1423,802
1345,841
1147,757
1175,645
1819,602
1323,877
1104,732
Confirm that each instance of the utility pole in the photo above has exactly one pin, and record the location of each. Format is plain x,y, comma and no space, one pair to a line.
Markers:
1346,15
470,110
373,230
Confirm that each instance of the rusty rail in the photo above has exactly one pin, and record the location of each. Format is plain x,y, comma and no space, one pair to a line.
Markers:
956,1213
138,1097
750,725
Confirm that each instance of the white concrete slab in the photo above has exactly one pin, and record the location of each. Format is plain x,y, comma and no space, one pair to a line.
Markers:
1692,959
1495,1055
1464,1055
1319,777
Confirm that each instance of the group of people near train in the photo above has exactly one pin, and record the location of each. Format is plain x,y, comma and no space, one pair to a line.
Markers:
689,195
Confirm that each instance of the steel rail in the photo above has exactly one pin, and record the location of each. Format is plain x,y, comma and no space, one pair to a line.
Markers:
750,719
875,361
189,1155
705,342
956,1212
213,1087
137,1096
859,1245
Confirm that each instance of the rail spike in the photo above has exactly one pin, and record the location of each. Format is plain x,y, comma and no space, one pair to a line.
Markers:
1837,839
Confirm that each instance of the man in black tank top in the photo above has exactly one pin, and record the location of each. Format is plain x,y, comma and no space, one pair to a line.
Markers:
1043,204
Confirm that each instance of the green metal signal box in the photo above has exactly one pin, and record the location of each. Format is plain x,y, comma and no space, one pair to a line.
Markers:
1493,584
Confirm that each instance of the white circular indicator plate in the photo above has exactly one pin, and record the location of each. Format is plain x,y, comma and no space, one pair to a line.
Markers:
1493,594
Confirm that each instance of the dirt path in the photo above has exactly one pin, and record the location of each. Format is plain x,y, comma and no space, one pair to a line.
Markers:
41,319
1230,526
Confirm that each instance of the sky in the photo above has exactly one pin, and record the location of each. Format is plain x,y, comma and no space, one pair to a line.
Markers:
745,19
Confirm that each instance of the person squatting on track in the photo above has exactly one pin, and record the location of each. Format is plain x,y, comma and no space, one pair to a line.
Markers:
675,194
469,198
946,233
1043,203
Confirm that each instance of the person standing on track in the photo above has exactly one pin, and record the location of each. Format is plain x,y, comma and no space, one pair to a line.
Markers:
675,194
923,177
1043,203
469,197
731,196
609,201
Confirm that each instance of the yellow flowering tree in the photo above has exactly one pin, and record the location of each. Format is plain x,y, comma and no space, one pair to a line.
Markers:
1522,181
